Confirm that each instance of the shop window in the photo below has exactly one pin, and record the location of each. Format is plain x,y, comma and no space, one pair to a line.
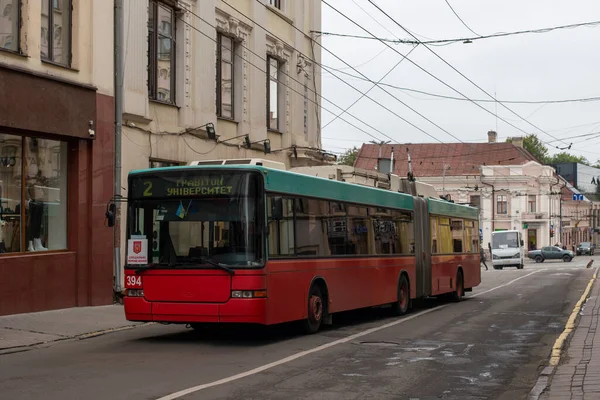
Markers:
161,52
9,25
225,72
33,191
56,31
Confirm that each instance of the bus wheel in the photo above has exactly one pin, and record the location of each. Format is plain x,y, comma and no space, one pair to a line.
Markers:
459,292
315,310
401,306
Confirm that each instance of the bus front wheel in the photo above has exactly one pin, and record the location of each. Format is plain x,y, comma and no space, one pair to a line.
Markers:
402,305
316,309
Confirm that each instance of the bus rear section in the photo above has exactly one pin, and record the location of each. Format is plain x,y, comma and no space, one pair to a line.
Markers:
195,247
507,249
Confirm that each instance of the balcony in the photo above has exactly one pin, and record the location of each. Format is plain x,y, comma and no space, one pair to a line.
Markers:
533,216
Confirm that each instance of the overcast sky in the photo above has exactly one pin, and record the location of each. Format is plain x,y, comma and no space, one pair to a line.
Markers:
561,64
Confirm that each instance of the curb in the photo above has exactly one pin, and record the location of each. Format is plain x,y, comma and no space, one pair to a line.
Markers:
544,378
83,336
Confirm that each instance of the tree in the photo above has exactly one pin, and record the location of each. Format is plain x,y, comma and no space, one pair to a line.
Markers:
349,156
564,157
532,144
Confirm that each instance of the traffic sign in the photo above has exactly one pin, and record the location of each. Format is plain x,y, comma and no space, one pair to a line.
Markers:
577,197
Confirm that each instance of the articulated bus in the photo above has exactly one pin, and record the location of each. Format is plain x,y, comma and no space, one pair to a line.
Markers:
251,244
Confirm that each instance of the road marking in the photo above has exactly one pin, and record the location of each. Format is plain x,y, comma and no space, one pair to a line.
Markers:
570,326
322,347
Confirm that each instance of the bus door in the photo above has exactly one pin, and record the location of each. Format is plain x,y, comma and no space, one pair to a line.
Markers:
422,247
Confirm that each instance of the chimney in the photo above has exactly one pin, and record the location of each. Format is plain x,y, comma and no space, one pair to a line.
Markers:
517,141
492,137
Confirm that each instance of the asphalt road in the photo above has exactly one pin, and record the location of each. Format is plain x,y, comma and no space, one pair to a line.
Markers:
490,346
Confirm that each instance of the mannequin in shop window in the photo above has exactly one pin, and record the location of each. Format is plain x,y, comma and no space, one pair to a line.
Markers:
35,212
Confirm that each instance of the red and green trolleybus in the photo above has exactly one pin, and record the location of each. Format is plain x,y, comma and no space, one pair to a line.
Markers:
251,244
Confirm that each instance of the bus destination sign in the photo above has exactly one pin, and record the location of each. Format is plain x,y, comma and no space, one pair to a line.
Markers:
191,186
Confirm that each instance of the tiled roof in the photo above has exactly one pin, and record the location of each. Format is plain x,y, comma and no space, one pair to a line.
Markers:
428,158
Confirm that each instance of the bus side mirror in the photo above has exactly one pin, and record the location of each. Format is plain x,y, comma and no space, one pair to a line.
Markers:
277,208
110,215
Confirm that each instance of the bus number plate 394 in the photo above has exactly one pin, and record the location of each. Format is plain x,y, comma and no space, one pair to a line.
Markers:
133,281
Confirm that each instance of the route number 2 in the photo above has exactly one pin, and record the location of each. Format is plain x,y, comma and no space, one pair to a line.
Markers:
134,281
148,190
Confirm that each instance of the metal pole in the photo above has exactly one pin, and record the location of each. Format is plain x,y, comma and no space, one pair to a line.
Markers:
118,83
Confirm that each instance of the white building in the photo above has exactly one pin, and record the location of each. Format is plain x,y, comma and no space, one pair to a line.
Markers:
510,187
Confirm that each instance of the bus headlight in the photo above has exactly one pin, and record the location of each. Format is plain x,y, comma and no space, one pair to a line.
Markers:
248,294
135,292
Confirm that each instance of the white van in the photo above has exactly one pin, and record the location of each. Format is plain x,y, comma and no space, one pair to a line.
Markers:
508,249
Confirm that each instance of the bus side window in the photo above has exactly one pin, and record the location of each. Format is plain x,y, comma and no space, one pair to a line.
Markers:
281,231
434,234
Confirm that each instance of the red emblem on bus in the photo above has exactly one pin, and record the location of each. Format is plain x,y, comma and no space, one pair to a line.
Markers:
137,247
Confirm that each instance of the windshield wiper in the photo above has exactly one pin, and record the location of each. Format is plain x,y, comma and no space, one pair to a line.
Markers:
213,263
152,266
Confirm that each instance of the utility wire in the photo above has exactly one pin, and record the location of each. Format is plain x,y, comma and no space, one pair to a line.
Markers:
464,39
460,73
363,75
350,85
461,20
282,83
441,96
371,88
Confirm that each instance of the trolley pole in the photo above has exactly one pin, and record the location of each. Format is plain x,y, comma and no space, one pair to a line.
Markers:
118,87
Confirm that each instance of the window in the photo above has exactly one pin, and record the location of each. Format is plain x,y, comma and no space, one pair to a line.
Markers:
456,226
56,31
275,3
225,71
281,233
471,236
161,52
310,231
445,236
9,24
475,201
156,163
531,203
501,204
33,194
273,66
434,234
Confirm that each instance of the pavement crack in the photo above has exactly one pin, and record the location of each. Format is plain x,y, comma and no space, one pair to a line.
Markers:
32,331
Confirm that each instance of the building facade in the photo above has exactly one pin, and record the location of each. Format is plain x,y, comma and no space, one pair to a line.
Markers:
56,154
509,186
212,79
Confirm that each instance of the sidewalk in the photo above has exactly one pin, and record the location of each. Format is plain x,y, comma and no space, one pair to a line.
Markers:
578,374
24,330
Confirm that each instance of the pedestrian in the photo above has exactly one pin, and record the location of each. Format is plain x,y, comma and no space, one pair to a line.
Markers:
482,257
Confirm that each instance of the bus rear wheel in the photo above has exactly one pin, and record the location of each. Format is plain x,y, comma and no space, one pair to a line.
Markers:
316,310
402,305
458,294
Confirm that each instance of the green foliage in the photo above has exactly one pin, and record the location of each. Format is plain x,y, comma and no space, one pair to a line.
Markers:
349,156
536,147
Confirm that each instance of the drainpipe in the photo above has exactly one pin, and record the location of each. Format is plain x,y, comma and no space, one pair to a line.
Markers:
118,87
493,195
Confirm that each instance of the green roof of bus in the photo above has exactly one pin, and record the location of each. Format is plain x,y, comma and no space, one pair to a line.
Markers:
442,207
287,182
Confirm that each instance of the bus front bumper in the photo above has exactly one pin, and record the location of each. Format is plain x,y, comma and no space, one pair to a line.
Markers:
233,311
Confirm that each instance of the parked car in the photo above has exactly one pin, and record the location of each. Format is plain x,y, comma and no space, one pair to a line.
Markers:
551,253
585,248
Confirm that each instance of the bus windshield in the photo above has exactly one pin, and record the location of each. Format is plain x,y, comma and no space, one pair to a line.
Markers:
505,240
191,218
